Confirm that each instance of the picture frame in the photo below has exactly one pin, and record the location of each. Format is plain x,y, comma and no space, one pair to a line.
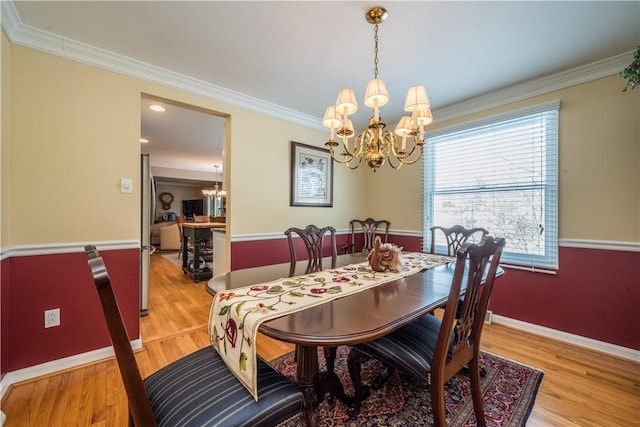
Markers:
311,176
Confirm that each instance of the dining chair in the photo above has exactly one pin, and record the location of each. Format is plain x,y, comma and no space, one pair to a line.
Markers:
434,349
370,228
313,238
455,236
180,219
197,389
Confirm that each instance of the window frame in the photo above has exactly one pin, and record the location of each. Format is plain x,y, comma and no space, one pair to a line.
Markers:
548,260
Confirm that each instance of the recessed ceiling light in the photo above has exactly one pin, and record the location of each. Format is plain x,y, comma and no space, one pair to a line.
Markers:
157,107
144,140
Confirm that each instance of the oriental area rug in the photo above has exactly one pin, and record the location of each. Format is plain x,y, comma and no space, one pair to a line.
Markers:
509,395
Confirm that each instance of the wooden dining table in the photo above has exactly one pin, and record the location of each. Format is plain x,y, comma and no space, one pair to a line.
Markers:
353,319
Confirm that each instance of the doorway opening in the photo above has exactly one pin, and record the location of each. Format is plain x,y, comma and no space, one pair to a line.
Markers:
186,147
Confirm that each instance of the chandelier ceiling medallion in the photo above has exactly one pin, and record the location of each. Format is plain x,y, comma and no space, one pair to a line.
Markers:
376,143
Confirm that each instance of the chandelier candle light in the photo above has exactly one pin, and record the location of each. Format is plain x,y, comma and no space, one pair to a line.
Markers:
377,143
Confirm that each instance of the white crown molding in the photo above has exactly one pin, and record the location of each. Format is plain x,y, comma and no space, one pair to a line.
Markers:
28,36
59,365
601,346
535,87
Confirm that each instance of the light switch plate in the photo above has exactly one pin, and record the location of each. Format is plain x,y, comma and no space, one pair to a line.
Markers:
126,185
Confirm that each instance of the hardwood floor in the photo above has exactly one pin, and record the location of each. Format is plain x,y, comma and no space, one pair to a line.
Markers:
580,387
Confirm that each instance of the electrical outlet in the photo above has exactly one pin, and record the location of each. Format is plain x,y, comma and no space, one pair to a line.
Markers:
52,318
488,316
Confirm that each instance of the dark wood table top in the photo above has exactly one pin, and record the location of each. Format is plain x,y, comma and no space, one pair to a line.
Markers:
357,317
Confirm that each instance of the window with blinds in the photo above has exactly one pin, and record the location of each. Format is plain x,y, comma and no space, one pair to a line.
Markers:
499,173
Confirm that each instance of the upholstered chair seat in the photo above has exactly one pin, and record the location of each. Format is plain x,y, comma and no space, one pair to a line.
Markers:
216,398
416,341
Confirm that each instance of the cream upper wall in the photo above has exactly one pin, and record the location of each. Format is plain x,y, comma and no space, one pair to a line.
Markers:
599,165
75,132
263,171
75,128
5,61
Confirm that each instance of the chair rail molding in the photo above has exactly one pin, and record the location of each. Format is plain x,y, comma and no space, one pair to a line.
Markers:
65,248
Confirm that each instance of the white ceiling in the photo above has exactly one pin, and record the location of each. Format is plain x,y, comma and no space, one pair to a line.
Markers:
298,55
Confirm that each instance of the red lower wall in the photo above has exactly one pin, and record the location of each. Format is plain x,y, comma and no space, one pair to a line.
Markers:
4,316
255,253
32,284
595,293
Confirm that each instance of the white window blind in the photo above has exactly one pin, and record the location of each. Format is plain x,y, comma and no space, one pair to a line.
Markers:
498,173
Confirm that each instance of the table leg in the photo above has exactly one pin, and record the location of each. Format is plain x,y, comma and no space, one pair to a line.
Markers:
185,247
307,376
315,385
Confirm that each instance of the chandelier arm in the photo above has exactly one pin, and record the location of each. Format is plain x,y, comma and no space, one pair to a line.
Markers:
344,161
409,162
356,165
400,163
415,144
360,144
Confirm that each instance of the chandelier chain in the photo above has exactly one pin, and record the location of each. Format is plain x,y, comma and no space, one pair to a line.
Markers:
375,52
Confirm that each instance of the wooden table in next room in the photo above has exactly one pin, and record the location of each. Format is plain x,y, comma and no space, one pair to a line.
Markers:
197,232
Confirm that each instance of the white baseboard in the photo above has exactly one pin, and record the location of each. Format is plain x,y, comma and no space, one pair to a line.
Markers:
59,365
603,347
103,353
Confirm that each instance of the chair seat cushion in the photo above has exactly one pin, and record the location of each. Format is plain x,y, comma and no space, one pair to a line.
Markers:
409,348
199,390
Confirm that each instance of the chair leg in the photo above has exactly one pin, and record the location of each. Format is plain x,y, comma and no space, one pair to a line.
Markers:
354,362
437,402
379,380
330,358
476,393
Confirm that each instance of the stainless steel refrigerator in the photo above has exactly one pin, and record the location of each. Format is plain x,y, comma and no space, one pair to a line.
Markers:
147,203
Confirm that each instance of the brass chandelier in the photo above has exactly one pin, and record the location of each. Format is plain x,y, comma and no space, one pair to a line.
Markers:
214,191
377,144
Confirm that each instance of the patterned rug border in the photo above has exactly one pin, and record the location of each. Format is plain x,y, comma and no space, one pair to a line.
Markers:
517,395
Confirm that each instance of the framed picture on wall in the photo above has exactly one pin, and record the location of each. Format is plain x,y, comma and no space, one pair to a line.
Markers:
311,176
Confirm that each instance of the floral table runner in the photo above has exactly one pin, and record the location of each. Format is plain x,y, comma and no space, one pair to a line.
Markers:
237,314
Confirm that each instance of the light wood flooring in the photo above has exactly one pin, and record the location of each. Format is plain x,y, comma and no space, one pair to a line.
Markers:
580,387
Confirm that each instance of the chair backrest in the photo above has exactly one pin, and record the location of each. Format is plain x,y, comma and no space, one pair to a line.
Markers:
476,266
456,236
370,228
180,220
139,407
313,238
